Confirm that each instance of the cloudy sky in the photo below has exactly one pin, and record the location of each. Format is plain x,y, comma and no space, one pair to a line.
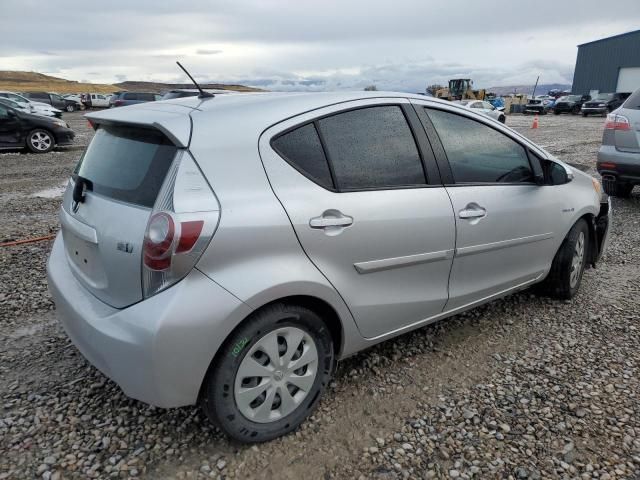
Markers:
309,45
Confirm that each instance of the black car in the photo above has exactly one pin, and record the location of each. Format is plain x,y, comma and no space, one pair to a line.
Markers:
604,103
39,134
570,104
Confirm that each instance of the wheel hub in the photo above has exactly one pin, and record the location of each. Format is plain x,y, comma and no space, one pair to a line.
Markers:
276,375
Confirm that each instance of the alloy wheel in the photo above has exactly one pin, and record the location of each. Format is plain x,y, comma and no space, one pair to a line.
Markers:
40,141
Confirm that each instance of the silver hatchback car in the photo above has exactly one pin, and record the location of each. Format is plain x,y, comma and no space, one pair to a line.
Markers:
228,251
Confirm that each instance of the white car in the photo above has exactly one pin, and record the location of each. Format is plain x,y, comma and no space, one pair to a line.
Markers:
485,108
37,108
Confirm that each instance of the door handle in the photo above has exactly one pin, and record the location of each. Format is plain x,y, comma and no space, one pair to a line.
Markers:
331,218
472,210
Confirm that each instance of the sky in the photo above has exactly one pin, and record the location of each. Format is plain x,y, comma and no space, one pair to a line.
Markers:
401,45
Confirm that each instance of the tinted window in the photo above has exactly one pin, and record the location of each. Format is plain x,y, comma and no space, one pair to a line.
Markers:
129,96
127,164
478,153
372,148
302,148
4,112
149,97
633,101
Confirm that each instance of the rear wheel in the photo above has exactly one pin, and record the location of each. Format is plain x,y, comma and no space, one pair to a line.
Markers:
270,374
70,108
40,141
568,265
502,119
576,110
584,114
614,188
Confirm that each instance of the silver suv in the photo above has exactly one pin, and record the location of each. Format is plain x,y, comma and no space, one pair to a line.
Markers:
228,251
619,155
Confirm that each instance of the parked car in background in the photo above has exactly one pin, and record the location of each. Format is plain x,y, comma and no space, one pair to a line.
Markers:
53,99
76,97
570,104
537,105
131,98
176,223
38,108
484,107
95,100
23,107
39,134
603,103
619,156
191,92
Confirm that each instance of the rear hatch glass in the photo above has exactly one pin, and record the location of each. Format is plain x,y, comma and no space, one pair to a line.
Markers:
125,168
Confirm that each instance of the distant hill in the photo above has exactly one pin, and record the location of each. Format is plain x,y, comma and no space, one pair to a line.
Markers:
541,89
133,86
38,82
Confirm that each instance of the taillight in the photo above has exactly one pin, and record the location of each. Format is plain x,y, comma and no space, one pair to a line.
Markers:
158,241
180,227
616,122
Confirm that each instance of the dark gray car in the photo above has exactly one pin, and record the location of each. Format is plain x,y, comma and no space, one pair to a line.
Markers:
123,99
619,155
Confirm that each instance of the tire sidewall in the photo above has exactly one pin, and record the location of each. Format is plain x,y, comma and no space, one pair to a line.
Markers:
220,403
572,238
35,150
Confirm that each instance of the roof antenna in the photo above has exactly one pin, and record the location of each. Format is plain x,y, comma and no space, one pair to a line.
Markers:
203,94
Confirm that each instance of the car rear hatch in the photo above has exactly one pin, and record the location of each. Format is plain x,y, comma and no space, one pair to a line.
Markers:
628,139
116,182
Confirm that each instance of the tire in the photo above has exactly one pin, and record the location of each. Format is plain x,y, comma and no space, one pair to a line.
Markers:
584,114
502,119
70,108
575,111
40,141
245,351
613,188
568,266
555,112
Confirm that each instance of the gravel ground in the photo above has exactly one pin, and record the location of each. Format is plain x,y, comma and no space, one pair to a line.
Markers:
525,387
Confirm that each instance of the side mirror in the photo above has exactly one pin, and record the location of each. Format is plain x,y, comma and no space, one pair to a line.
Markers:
558,174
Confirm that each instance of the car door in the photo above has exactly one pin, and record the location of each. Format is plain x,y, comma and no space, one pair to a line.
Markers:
10,133
505,220
361,188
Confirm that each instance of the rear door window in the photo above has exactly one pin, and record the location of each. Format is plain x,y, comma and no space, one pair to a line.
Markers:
302,149
479,154
633,101
129,96
371,148
127,164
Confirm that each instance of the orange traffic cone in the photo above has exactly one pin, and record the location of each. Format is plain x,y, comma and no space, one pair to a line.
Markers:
535,122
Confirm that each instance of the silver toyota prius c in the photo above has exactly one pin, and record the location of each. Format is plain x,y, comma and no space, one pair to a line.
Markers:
228,251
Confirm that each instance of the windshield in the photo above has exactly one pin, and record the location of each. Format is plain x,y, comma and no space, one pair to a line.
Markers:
17,98
604,96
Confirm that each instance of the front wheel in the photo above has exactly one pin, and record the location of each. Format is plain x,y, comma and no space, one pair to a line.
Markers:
502,119
584,114
568,265
40,141
70,108
270,373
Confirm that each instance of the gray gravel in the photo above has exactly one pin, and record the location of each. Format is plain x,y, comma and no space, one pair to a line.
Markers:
525,387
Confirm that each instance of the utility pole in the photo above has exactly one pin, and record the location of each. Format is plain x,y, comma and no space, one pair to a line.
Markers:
535,86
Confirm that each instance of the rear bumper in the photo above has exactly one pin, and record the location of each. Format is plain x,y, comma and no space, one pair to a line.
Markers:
624,166
158,350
